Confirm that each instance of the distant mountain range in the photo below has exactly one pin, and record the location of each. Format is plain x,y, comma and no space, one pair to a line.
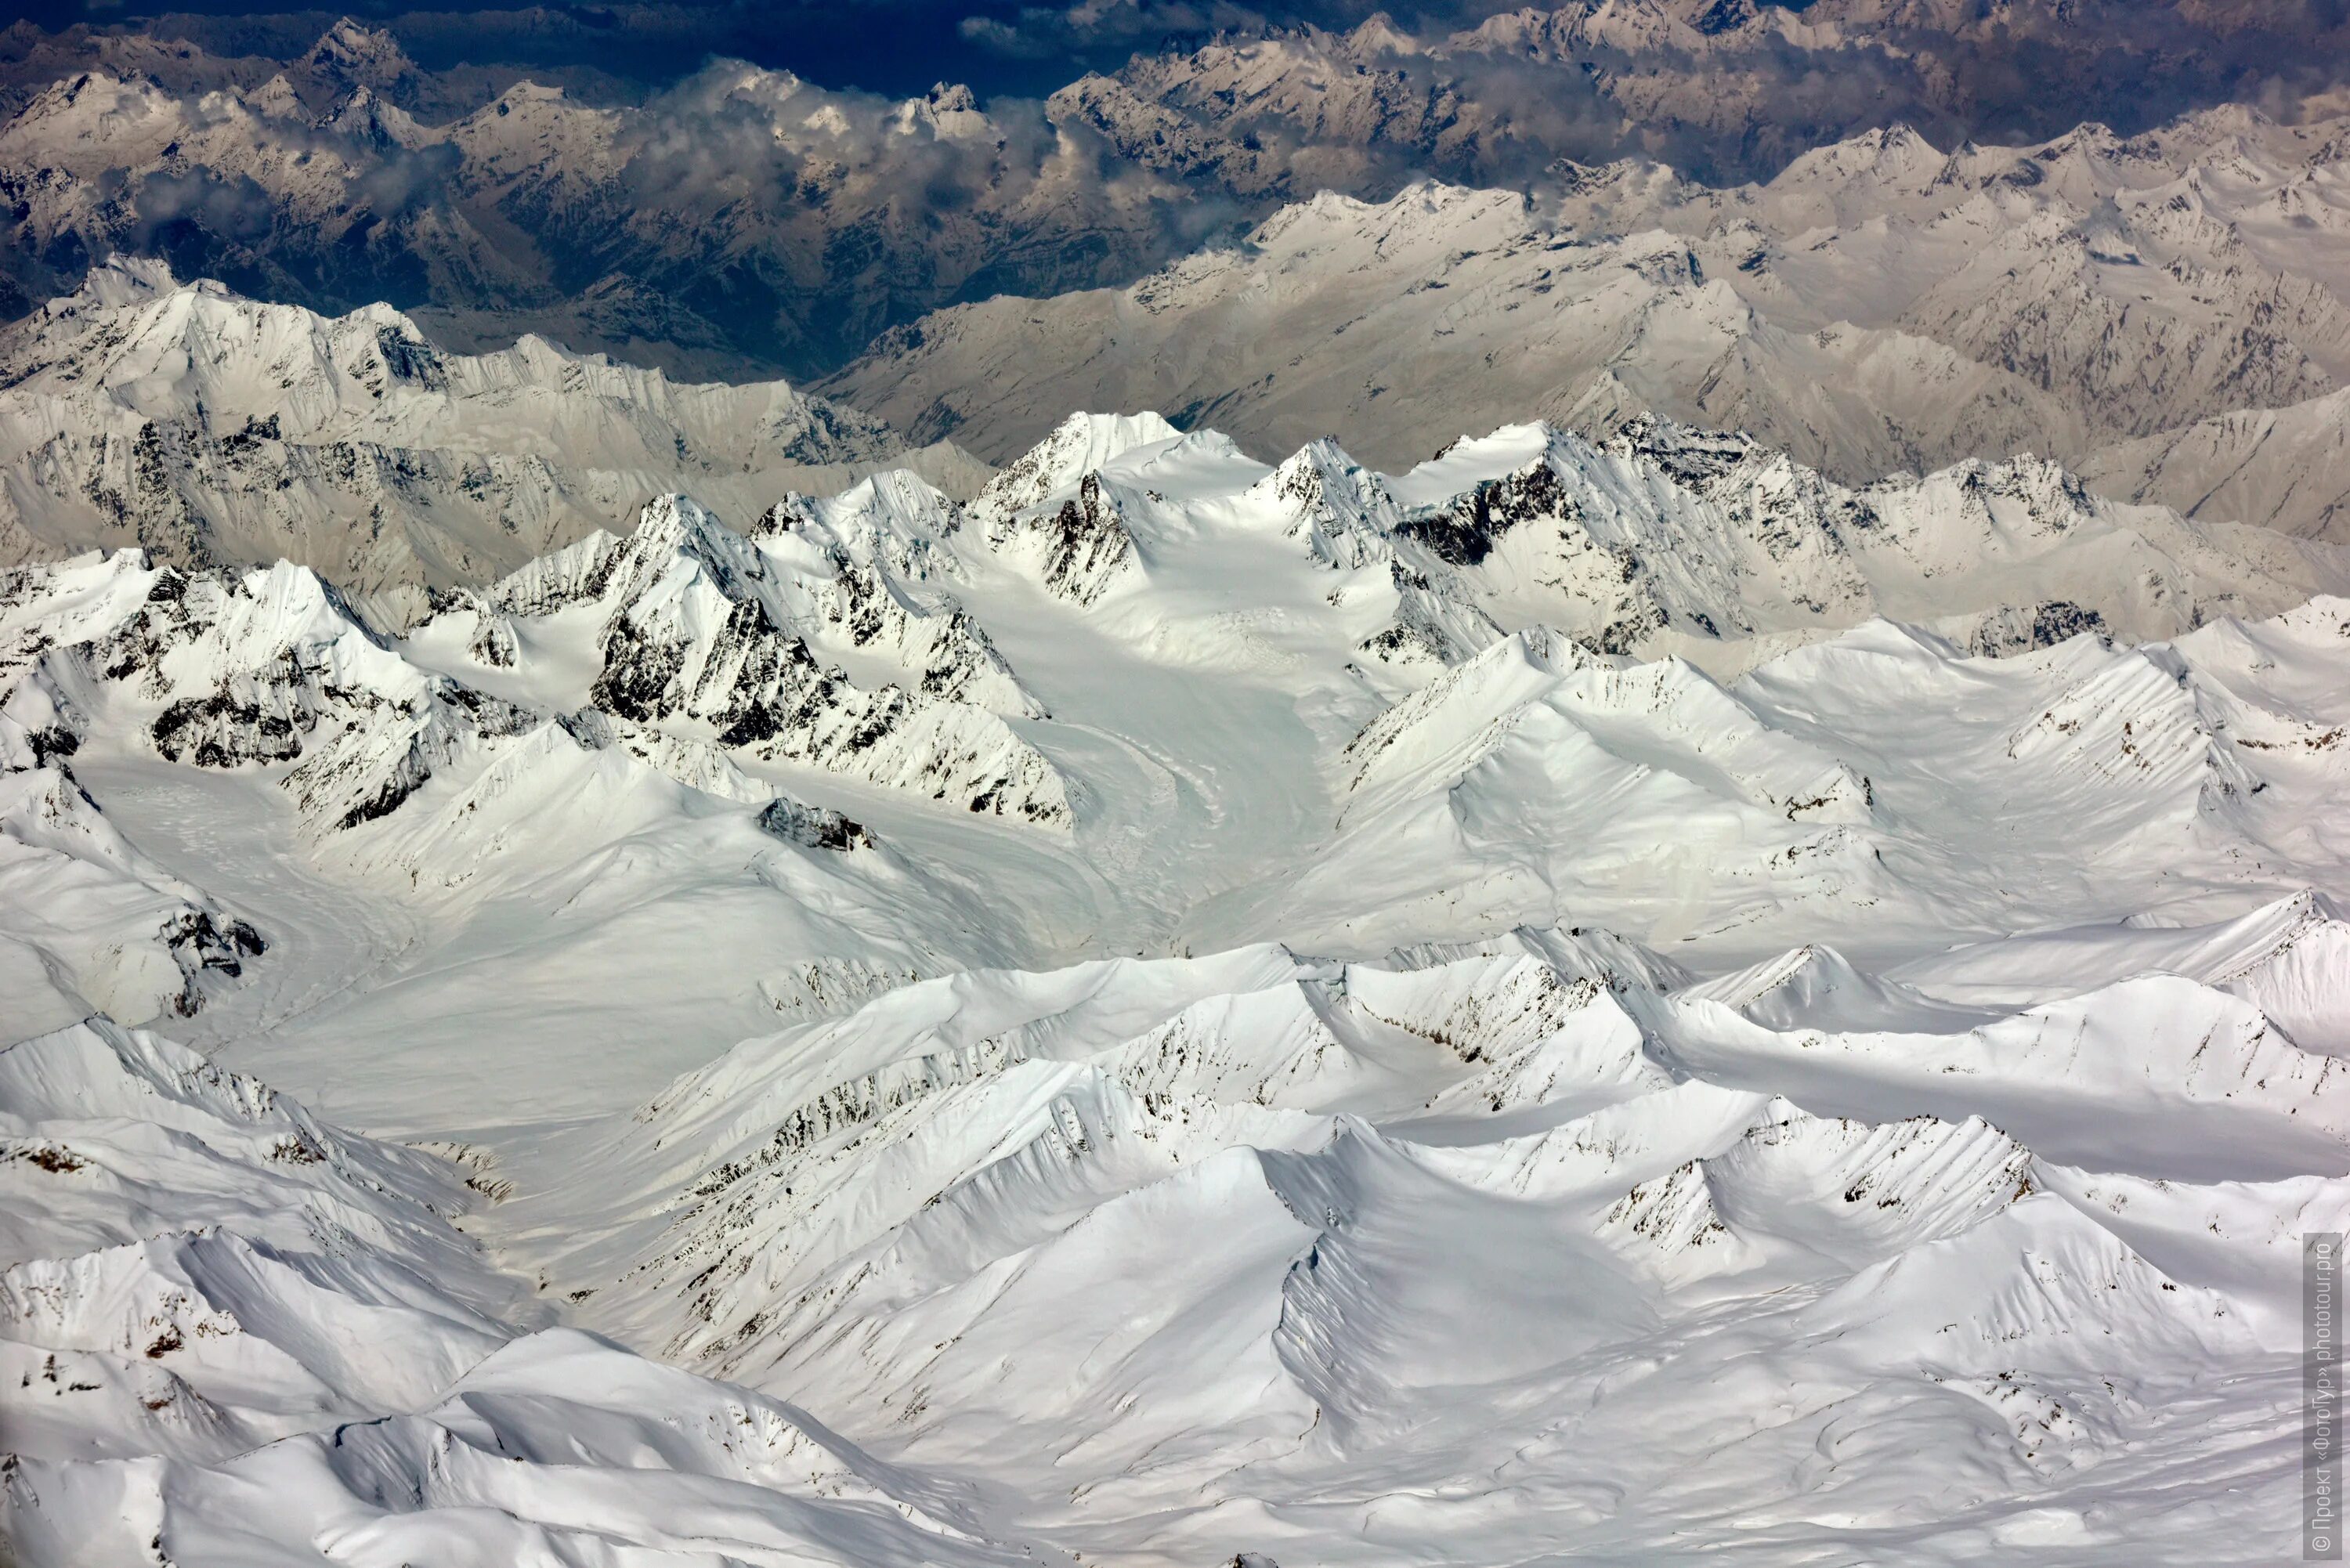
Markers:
2119,304
747,222
216,430
2164,315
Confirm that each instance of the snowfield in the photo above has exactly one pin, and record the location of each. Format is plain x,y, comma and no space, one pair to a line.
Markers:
1583,1002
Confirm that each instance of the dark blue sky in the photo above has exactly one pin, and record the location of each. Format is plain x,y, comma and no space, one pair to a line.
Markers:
887,45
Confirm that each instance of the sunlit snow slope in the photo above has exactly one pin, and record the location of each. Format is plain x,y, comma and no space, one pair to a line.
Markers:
1600,1001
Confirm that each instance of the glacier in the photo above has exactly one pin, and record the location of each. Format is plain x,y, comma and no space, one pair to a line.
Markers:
1591,999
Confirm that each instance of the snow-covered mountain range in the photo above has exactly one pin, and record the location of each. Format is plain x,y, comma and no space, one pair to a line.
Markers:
748,221
743,220
1302,233
1647,864
1615,998
2168,313
214,430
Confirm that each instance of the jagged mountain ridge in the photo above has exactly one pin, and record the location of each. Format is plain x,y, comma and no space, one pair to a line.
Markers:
1877,304
1728,91
2161,312
2279,467
693,659
1869,1033
683,619
891,657
1662,538
746,222
323,72
217,430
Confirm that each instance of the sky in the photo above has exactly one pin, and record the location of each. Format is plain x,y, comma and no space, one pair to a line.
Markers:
896,47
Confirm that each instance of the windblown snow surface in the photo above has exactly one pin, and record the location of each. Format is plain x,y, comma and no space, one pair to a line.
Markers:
1611,1004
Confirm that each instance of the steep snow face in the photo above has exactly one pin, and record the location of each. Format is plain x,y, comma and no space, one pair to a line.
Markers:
264,667
1080,445
1664,538
216,430
875,573
91,923
211,1262
88,922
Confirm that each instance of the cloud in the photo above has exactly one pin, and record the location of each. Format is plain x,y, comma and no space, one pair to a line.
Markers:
229,207
794,219
1087,29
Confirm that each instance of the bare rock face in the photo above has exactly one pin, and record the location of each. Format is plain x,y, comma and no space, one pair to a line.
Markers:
814,827
1084,545
703,627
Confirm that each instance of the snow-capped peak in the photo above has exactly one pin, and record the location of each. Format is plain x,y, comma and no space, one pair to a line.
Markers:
1342,511
1083,443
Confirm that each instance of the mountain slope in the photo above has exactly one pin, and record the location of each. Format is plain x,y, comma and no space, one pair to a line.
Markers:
1188,1009
2281,468
1876,305
220,430
259,1299
1156,693
1216,1165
